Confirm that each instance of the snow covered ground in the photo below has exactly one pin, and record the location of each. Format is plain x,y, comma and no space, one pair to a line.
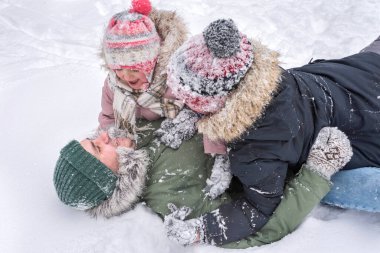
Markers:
50,87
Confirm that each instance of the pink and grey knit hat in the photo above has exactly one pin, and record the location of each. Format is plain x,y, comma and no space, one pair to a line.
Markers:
208,66
131,40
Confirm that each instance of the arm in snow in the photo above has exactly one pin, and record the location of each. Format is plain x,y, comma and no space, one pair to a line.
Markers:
301,195
329,153
106,116
263,183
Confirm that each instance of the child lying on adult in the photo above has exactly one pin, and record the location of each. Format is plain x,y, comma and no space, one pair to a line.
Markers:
269,117
108,174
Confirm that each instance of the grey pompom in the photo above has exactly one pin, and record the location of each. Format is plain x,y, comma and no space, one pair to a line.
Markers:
222,38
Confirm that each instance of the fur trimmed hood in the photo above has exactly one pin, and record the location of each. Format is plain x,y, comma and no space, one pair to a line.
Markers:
129,185
173,33
245,105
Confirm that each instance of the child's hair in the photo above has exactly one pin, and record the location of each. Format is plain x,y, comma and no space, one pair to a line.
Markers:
131,40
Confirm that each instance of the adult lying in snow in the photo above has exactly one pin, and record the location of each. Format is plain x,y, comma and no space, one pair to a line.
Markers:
270,117
105,176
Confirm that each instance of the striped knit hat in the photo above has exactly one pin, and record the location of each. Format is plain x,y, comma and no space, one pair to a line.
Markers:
131,40
208,66
81,180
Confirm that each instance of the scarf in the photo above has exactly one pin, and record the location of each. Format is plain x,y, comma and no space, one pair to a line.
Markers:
126,101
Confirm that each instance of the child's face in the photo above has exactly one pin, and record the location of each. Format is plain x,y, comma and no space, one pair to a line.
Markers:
133,78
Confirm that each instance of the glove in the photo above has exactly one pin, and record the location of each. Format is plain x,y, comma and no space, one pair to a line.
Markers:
181,231
330,152
220,177
174,131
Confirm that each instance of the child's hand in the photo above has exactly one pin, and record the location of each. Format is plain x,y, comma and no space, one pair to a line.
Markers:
174,131
330,152
185,232
220,177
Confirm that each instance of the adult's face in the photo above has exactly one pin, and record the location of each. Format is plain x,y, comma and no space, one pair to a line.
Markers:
104,148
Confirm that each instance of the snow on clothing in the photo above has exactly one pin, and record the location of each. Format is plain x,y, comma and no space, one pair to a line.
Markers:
207,67
179,176
124,104
274,116
172,32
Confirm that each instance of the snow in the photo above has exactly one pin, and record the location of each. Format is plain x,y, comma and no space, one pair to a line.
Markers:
220,177
50,88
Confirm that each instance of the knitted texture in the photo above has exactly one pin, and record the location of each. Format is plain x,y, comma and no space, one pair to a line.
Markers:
185,232
220,177
222,37
81,180
330,152
174,131
210,65
131,40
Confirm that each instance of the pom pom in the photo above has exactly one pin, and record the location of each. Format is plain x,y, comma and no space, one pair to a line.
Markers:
141,6
222,38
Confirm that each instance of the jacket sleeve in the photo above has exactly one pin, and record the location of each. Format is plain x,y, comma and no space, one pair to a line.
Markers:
106,116
301,195
263,183
260,160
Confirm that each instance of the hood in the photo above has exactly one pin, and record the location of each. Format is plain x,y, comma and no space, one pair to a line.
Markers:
173,33
245,105
129,185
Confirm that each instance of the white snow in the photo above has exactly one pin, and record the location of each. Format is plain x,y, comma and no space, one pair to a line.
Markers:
50,87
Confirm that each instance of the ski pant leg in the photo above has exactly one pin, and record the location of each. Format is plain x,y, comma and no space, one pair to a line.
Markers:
355,189
373,47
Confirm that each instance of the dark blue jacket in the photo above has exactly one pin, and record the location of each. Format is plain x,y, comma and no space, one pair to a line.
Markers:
344,93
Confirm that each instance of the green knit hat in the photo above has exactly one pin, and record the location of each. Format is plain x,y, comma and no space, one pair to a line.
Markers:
81,180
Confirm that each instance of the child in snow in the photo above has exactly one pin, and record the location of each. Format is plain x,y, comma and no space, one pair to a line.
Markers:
136,48
270,117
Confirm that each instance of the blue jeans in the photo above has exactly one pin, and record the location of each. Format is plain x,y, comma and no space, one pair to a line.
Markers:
359,188
355,189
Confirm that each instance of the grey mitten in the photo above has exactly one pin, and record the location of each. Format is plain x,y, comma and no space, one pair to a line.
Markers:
330,152
174,131
181,231
220,178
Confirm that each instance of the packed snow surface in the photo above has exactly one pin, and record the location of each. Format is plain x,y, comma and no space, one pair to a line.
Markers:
50,88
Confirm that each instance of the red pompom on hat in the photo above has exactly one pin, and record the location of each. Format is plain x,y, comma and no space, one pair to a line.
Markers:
141,6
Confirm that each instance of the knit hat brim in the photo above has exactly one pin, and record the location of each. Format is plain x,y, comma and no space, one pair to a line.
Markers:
81,180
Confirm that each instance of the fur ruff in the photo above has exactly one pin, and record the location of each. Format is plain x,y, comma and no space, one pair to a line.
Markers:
173,33
129,185
247,103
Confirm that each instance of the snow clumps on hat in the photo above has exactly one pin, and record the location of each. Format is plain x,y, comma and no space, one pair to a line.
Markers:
204,70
